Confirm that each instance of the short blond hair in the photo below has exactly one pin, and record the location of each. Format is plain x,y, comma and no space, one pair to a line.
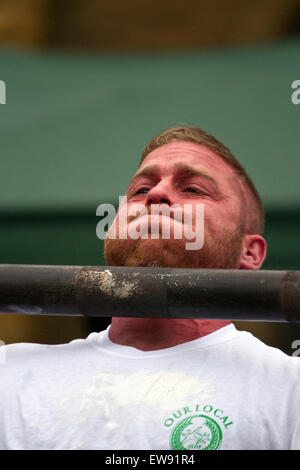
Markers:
256,219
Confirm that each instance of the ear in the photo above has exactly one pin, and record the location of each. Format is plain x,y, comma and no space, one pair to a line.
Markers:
253,253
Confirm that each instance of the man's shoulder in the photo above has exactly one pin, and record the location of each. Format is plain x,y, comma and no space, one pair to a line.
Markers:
253,351
20,354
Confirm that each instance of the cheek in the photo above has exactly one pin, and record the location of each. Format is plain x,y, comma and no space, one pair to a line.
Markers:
217,219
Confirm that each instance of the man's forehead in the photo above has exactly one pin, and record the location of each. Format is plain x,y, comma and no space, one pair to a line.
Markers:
191,154
178,168
181,147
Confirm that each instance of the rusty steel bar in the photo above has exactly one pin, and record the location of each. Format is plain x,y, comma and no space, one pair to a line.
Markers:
146,292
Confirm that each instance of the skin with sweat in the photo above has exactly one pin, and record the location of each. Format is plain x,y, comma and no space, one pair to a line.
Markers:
183,172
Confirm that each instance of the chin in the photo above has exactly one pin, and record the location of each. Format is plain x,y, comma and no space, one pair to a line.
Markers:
141,252
150,253
172,254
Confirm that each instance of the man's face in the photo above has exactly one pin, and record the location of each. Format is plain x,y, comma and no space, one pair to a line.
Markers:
182,173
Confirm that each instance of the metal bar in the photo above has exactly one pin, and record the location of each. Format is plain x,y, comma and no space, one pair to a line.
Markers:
109,291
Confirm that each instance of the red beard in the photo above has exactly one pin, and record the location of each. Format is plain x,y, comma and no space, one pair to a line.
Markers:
222,252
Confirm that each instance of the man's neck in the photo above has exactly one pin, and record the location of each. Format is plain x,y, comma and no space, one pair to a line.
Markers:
149,334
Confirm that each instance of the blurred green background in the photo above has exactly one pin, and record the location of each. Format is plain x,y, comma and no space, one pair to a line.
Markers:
76,120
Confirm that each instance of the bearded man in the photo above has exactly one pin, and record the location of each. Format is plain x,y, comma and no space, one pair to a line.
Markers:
154,383
185,166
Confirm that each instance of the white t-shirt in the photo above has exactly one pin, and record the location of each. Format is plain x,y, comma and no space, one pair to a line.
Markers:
227,390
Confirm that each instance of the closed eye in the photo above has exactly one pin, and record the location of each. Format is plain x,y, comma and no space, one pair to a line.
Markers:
189,189
194,190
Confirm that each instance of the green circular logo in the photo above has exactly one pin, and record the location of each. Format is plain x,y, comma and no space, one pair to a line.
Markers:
197,432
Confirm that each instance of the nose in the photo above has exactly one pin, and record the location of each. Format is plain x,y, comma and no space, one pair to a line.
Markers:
159,194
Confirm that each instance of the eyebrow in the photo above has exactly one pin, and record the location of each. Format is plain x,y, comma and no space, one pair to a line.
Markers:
183,168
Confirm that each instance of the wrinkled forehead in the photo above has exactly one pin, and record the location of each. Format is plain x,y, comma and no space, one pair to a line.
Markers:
195,155
183,149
